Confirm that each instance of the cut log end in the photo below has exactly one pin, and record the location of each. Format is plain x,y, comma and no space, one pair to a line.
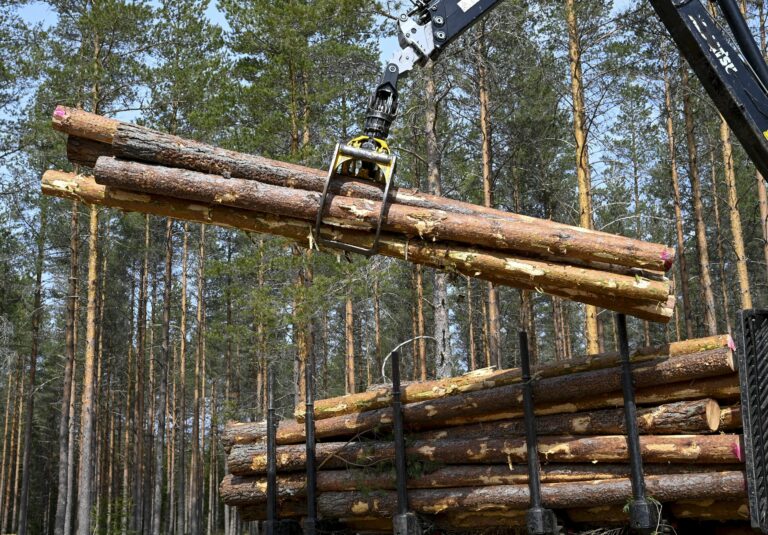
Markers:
80,123
713,414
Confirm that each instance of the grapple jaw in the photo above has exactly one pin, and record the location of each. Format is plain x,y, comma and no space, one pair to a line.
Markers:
365,158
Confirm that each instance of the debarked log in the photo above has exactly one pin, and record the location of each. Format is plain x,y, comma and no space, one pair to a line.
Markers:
132,142
251,459
487,378
252,490
468,407
474,262
489,500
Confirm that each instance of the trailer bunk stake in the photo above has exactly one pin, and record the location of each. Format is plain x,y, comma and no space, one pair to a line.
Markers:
540,521
643,515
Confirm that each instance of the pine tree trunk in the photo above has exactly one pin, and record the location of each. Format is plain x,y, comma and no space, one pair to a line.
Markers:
85,483
17,435
181,522
170,443
261,341
8,441
745,294
128,427
29,407
5,460
72,435
582,152
195,489
687,319
494,335
486,338
101,395
378,356
349,337
472,364
444,365
69,346
710,318
720,251
161,370
421,344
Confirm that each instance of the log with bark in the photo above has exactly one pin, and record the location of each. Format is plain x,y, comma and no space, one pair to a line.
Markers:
690,417
724,389
712,509
492,266
251,459
488,378
726,486
613,272
252,490
518,238
567,391
133,142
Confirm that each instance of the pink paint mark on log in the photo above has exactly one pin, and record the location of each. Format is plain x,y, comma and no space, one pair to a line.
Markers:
731,343
736,449
60,112
668,259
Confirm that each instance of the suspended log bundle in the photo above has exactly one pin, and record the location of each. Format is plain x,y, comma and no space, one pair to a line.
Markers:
138,169
466,449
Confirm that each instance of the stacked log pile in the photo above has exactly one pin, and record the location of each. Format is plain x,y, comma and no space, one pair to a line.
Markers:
466,447
138,169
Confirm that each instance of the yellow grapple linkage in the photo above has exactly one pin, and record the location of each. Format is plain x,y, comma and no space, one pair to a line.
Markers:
357,160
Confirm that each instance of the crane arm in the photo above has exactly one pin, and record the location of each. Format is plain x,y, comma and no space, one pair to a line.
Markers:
731,68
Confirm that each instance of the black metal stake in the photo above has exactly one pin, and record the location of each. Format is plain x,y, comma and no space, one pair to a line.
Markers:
643,515
404,522
310,523
540,521
271,525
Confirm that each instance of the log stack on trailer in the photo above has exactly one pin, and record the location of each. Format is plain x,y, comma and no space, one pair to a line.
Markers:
701,431
466,446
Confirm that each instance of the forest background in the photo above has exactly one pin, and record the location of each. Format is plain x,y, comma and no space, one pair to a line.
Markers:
127,341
